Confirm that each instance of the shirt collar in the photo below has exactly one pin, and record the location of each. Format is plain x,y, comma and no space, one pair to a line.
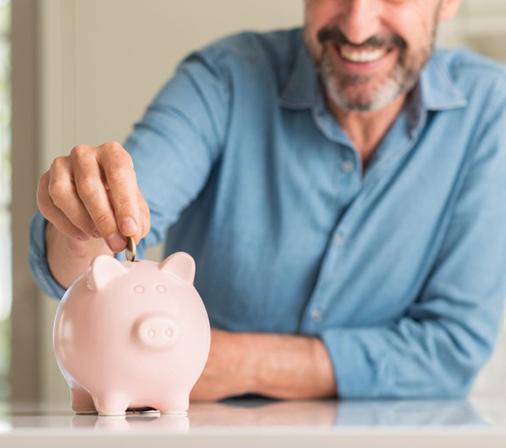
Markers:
436,89
301,88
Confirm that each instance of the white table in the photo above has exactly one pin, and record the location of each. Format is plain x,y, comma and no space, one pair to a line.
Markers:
478,422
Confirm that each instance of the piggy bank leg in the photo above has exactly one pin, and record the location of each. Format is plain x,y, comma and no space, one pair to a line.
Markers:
110,403
82,402
175,404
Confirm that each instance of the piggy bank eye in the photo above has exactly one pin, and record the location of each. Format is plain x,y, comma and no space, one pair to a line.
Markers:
161,288
139,289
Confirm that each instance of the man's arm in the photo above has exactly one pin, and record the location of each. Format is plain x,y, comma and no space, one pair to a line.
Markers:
172,149
274,365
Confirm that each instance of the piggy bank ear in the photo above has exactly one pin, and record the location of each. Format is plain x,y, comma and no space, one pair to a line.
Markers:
103,269
180,264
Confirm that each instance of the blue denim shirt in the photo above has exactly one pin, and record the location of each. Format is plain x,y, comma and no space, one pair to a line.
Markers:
400,270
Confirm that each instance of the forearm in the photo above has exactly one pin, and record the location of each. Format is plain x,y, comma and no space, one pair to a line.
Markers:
289,367
67,257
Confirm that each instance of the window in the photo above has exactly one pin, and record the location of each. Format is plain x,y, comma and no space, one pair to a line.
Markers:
5,194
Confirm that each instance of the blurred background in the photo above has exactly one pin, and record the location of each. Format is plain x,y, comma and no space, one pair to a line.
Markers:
82,71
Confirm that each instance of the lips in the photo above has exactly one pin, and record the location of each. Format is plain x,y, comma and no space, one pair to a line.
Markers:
361,55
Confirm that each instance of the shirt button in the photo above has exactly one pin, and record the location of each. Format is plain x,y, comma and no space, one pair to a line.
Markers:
316,314
347,166
339,239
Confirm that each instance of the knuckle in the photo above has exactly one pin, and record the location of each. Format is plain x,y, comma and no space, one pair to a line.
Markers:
119,174
80,151
123,201
112,147
102,220
57,190
87,187
58,164
118,154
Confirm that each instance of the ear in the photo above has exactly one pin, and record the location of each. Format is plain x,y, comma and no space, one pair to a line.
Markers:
103,269
448,9
180,264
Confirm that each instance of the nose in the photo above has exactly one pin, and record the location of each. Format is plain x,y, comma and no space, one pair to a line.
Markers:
158,332
360,20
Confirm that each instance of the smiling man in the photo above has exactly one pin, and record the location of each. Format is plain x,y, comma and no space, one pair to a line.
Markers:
341,188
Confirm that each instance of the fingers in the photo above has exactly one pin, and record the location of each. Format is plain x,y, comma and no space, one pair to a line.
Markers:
145,218
120,176
63,194
53,214
92,192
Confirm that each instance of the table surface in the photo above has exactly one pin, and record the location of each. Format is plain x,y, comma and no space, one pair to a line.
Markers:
269,423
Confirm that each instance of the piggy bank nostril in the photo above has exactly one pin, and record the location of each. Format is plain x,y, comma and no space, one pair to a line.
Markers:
151,333
139,289
161,288
169,332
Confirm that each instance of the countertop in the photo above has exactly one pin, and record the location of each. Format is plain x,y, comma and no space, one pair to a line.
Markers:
259,422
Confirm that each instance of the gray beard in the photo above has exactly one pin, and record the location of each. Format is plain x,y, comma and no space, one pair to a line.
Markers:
401,80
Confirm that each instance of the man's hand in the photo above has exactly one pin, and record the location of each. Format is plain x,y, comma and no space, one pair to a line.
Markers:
93,193
275,365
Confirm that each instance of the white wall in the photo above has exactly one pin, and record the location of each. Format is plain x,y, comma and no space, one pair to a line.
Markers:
123,50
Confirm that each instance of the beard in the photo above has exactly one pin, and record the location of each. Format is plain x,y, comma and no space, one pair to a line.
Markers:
355,92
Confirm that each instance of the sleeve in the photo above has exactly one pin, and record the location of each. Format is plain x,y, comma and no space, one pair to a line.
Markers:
445,337
38,261
180,137
173,147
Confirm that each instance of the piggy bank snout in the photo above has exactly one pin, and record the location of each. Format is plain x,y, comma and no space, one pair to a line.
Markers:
157,332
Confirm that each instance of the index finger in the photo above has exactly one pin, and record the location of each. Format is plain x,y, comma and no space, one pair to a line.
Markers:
120,175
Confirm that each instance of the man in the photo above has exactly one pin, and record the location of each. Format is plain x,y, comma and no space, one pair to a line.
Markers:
341,189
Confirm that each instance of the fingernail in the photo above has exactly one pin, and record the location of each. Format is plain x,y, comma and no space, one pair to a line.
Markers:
128,226
115,242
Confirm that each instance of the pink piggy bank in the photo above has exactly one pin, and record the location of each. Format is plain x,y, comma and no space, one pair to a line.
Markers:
132,335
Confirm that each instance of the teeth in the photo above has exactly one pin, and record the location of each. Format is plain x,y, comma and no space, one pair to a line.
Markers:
354,55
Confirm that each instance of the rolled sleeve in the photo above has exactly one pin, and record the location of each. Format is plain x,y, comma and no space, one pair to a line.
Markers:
38,260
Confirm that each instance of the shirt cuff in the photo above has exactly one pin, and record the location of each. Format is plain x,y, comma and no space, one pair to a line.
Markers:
38,260
361,368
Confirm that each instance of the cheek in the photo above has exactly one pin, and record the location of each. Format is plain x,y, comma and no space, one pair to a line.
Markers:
413,22
318,13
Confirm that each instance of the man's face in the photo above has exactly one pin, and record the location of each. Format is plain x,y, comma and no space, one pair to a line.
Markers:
368,52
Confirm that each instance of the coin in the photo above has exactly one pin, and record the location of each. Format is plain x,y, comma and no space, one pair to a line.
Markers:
130,250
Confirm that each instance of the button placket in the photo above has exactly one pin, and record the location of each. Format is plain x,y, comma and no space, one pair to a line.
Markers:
339,238
316,314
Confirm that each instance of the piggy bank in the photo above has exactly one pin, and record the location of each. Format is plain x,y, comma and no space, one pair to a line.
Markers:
131,335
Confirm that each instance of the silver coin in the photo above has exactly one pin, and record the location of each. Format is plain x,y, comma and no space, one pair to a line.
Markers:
131,249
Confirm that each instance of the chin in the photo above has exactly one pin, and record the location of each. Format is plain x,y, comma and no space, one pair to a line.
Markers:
364,98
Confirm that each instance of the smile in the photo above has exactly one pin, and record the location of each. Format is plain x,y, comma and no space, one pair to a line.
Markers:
365,55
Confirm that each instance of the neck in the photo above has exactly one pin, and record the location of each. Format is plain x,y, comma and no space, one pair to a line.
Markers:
366,129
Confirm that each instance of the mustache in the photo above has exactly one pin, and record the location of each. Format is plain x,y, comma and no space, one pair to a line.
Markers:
335,35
